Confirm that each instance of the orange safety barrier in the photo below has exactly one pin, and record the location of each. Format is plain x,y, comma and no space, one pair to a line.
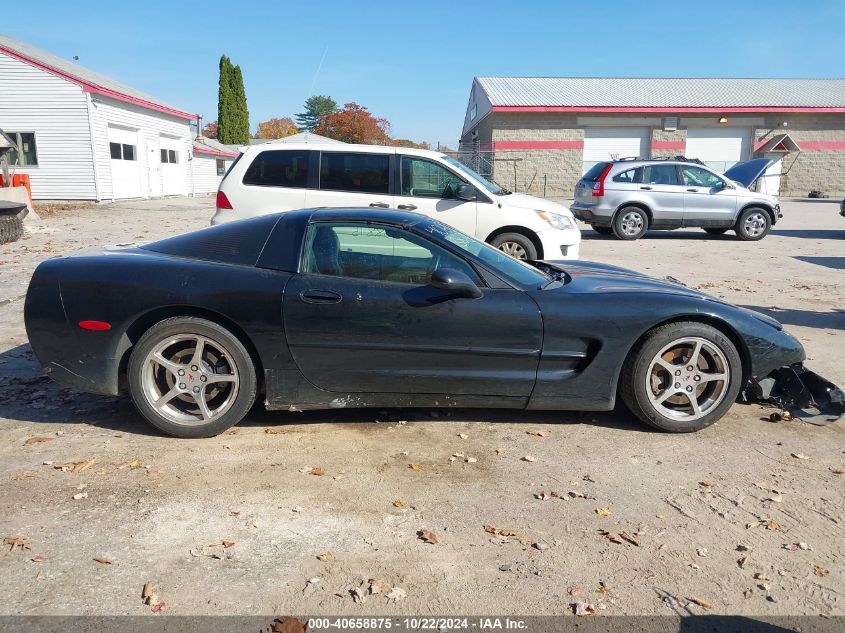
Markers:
20,180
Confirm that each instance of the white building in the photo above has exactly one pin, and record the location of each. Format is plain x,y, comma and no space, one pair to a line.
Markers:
84,136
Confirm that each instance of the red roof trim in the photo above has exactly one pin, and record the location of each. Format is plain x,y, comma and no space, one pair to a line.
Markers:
199,149
669,110
94,89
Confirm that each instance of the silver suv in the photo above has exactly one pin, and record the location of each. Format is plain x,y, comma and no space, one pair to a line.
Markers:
630,196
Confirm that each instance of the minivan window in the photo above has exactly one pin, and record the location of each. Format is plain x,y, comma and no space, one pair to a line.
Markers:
279,168
660,175
424,179
354,172
594,172
489,186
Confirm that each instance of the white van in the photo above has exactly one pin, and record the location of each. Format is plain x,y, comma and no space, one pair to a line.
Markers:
275,177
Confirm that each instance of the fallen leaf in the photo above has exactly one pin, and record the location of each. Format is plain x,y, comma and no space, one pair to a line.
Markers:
272,431
470,460
326,557
742,562
751,525
131,465
427,536
377,585
707,483
38,439
396,594
75,467
603,512
494,530
17,542
613,537
799,456
80,495
701,551
24,474
775,497
573,591
602,588
501,451
414,466
234,513
227,544
747,593
357,595
288,625
630,538
103,561
760,576
319,472
399,503
38,558
662,546
529,458
792,547
820,571
701,603
147,591
537,433
583,608
542,495
743,548
772,526
463,436
157,606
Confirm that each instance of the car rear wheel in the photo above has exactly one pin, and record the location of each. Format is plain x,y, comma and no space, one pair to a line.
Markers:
516,245
681,377
716,231
630,223
753,224
603,230
191,377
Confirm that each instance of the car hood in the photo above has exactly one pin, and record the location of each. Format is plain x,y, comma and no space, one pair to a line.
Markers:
748,172
523,201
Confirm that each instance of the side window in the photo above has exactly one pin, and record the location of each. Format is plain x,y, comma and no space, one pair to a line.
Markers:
660,175
279,168
356,173
380,253
122,151
425,179
221,166
697,177
629,176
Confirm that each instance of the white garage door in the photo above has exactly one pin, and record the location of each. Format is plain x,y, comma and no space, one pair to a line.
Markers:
172,166
719,148
125,166
608,143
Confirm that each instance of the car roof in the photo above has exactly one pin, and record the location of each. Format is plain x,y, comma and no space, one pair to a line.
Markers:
340,147
658,160
332,214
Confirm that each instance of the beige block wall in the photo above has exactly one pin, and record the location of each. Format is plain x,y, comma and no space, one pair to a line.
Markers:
677,136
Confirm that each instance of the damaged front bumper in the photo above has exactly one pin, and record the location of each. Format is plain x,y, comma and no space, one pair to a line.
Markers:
806,395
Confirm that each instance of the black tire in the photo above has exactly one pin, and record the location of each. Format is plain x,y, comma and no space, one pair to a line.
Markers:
602,230
11,229
630,223
753,224
633,381
716,231
245,385
516,245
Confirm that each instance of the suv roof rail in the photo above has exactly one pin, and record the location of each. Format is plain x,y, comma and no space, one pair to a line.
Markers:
679,159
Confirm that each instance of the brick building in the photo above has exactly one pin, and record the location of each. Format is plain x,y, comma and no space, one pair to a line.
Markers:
539,134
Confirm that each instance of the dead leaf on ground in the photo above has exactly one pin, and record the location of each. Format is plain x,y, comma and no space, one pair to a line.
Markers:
799,456
102,561
837,471
24,474
378,585
397,594
357,595
772,526
701,603
742,561
583,608
319,472
234,513
132,464
428,536
287,625
38,558
602,588
501,451
147,591
414,466
707,483
463,436
542,495
818,570
760,576
38,439
792,547
490,529
603,512
326,557
271,431
75,467
529,458
775,497
538,433
573,591
18,542
747,593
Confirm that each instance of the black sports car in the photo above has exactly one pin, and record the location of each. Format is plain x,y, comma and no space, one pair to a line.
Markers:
359,308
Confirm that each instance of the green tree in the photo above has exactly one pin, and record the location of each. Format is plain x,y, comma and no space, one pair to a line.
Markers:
242,135
226,116
316,108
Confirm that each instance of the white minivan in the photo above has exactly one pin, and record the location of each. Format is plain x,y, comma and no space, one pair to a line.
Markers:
273,177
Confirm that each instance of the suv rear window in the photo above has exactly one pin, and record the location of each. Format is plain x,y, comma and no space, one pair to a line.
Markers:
594,172
279,168
357,173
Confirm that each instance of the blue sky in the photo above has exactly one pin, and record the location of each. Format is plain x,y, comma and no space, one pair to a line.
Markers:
413,63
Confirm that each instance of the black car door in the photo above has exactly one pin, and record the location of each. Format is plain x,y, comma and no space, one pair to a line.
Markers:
362,317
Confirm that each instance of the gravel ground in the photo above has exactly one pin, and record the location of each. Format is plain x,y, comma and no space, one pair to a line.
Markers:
707,514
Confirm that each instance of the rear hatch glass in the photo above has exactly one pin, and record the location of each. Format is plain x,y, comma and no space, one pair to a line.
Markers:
594,172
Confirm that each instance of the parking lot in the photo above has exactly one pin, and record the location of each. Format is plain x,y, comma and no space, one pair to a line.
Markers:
319,512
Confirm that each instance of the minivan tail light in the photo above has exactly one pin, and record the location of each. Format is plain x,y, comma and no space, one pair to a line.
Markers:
223,201
598,185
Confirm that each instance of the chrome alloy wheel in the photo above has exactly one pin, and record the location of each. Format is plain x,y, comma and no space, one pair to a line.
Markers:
514,249
190,379
755,224
632,223
687,379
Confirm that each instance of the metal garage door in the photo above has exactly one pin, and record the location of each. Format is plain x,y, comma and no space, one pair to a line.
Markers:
608,143
172,166
125,166
719,148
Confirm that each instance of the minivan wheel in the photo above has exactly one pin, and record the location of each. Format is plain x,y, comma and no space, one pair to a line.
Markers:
753,224
516,245
191,377
715,231
602,230
630,223
681,377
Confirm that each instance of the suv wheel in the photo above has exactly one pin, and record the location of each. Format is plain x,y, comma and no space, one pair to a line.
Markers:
753,224
516,245
630,223
603,230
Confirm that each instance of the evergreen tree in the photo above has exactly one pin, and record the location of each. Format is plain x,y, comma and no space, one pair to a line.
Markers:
226,116
242,113
316,108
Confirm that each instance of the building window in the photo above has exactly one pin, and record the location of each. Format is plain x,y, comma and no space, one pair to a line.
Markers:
169,156
122,151
221,167
26,142
474,112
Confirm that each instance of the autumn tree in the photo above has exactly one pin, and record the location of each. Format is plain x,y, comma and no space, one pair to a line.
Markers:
355,124
405,142
210,130
316,108
276,128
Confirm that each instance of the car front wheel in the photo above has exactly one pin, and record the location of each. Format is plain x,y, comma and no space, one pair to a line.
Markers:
191,377
753,224
681,377
630,223
516,245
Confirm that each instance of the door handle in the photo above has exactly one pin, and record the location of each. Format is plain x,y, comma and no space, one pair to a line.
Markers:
407,207
646,188
319,296
380,205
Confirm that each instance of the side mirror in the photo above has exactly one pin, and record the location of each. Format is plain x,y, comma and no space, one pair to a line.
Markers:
456,281
466,192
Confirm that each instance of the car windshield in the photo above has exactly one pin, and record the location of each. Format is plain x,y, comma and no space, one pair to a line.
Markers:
517,272
489,186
